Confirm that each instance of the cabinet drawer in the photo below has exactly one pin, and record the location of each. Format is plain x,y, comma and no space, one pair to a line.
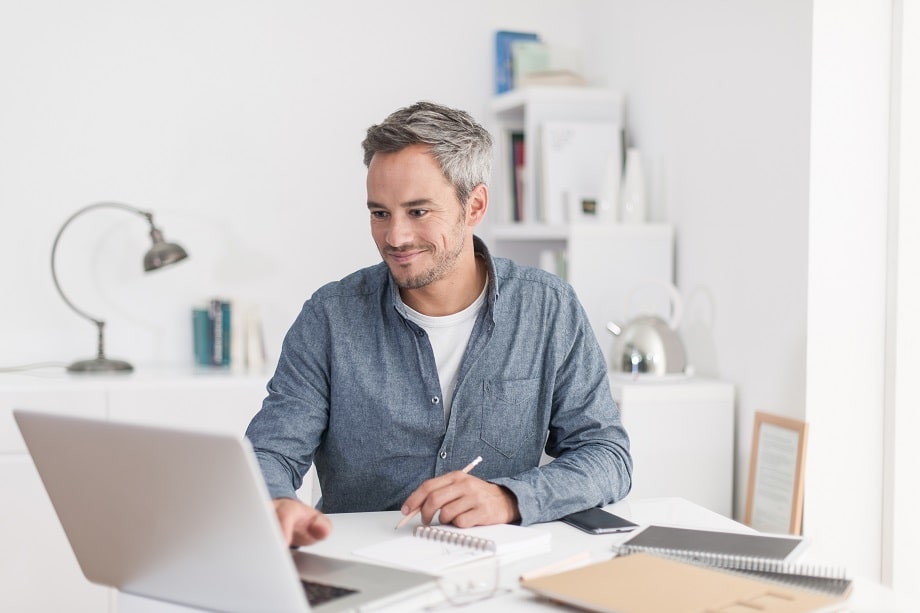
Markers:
85,403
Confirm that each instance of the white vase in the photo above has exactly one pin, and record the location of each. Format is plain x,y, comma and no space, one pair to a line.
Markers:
632,203
609,190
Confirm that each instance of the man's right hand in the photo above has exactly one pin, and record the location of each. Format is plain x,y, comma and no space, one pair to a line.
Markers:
301,524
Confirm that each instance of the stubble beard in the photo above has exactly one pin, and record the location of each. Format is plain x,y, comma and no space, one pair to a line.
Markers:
440,268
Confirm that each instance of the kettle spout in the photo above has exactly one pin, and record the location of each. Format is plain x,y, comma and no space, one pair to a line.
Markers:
614,329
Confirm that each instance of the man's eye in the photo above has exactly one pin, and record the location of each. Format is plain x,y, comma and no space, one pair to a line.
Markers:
418,212
378,214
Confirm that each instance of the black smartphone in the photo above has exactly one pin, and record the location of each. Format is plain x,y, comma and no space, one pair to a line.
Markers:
598,521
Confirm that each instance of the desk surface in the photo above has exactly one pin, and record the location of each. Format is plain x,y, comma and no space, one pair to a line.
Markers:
354,530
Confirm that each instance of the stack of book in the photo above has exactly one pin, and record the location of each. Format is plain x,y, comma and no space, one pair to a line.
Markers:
228,335
766,556
523,59
664,569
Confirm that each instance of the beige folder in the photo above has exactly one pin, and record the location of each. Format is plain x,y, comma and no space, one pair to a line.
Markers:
644,583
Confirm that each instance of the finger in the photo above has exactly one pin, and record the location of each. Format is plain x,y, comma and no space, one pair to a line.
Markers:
453,492
313,527
483,503
427,507
463,506
415,500
319,528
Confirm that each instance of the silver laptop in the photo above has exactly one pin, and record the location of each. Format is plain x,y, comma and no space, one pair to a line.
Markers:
185,517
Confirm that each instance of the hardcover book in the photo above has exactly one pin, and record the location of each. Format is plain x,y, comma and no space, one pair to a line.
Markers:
504,65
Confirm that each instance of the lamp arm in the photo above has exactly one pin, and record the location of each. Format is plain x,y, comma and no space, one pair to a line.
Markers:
113,205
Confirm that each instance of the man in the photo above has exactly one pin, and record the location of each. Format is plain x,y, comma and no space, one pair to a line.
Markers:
396,377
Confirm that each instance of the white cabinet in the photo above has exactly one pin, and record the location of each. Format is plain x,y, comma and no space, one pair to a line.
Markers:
682,434
38,569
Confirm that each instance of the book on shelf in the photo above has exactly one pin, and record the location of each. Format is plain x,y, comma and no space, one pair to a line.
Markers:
211,330
539,63
517,176
438,548
558,78
201,335
766,556
646,583
504,67
254,339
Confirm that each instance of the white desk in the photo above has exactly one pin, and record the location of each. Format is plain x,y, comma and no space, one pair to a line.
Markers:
357,529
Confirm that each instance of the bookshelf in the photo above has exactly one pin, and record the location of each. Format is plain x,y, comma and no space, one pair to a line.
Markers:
604,261
523,112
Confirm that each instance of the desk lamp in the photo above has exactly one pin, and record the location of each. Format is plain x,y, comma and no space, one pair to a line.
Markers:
160,254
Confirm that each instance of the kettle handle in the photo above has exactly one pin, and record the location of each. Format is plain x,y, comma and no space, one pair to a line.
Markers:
677,303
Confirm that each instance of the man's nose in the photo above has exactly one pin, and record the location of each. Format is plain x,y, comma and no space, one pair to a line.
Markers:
399,231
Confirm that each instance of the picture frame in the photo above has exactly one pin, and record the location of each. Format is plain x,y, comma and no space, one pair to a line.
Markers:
583,208
776,478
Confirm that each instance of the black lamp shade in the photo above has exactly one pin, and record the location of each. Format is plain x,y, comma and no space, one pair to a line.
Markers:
162,253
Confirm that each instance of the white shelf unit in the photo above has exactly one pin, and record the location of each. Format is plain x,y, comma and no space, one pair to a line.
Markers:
39,570
682,434
604,261
524,110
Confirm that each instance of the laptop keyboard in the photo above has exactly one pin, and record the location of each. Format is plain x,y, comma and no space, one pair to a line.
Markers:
318,593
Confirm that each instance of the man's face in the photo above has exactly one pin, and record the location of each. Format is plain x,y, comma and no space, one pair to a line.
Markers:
417,222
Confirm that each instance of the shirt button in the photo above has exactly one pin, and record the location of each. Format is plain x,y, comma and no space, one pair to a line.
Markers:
443,454
435,400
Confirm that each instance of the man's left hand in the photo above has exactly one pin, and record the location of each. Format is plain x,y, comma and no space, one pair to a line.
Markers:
463,500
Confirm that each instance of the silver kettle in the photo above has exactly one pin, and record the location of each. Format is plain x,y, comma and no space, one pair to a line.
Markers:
648,344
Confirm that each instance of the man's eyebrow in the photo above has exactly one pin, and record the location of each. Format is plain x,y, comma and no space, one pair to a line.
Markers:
405,205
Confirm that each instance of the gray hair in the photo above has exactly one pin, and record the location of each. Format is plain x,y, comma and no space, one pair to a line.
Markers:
461,146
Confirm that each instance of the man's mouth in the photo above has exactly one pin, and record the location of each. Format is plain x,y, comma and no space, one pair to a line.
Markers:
403,257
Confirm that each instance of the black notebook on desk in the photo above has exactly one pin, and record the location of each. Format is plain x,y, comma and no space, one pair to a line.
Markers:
765,555
703,543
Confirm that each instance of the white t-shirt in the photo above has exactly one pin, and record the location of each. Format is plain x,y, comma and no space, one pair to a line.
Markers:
449,336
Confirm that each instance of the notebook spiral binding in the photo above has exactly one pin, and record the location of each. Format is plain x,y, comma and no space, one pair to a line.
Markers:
822,578
454,538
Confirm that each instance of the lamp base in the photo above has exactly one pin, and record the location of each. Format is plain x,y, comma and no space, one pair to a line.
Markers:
99,365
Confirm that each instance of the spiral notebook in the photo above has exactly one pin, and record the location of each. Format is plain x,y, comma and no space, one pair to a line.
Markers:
437,548
766,556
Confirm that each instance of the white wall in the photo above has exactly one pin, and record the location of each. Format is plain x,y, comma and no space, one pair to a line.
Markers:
238,123
718,102
848,262
902,502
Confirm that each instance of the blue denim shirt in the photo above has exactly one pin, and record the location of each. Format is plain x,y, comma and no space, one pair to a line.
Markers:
356,391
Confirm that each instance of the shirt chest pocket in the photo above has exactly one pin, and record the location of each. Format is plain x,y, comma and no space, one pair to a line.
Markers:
510,414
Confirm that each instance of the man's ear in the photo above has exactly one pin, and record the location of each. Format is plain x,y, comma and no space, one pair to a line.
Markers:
477,204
